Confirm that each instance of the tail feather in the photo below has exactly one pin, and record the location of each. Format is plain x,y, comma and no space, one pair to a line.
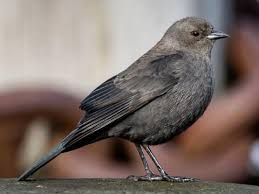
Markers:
43,161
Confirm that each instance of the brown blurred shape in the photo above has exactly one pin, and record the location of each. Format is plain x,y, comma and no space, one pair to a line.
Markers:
19,108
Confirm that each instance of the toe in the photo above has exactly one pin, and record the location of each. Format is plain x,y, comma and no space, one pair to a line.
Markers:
180,179
148,177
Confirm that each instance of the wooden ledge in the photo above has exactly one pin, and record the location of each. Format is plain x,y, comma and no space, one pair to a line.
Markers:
93,186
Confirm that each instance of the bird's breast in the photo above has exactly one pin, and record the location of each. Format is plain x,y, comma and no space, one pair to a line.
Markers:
189,100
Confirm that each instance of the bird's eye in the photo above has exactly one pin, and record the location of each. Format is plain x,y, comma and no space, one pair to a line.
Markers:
195,33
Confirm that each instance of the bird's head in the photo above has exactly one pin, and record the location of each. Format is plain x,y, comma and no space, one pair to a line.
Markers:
192,34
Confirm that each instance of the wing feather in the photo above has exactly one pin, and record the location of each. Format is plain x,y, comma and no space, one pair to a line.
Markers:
122,95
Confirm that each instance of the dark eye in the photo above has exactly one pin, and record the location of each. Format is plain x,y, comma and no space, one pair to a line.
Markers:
195,33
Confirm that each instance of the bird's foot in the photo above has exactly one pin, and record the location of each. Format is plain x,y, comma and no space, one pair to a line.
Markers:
147,177
178,179
164,177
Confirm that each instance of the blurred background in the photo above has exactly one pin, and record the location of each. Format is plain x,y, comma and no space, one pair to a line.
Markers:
53,53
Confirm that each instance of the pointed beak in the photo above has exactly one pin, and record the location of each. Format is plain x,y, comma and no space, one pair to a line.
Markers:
217,35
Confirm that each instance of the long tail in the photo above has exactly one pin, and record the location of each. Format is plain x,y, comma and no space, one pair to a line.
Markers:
43,161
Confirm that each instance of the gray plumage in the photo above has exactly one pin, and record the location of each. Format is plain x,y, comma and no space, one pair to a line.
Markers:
156,98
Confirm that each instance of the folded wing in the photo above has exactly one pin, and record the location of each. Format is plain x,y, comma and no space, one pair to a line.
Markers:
124,94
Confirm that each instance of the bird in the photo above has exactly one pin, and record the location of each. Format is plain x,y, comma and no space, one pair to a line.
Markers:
156,98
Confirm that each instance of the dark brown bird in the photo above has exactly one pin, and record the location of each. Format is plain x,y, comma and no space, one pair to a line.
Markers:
156,98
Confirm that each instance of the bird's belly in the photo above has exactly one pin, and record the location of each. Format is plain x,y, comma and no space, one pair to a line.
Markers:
165,117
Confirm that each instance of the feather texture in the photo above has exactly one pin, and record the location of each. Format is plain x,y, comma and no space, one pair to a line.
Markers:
122,95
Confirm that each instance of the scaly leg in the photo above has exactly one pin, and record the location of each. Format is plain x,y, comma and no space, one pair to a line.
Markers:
150,176
162,172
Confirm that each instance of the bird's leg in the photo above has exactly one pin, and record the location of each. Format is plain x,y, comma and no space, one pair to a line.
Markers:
150,176
164,175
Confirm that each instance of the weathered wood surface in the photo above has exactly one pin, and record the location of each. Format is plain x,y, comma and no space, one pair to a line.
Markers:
93,186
